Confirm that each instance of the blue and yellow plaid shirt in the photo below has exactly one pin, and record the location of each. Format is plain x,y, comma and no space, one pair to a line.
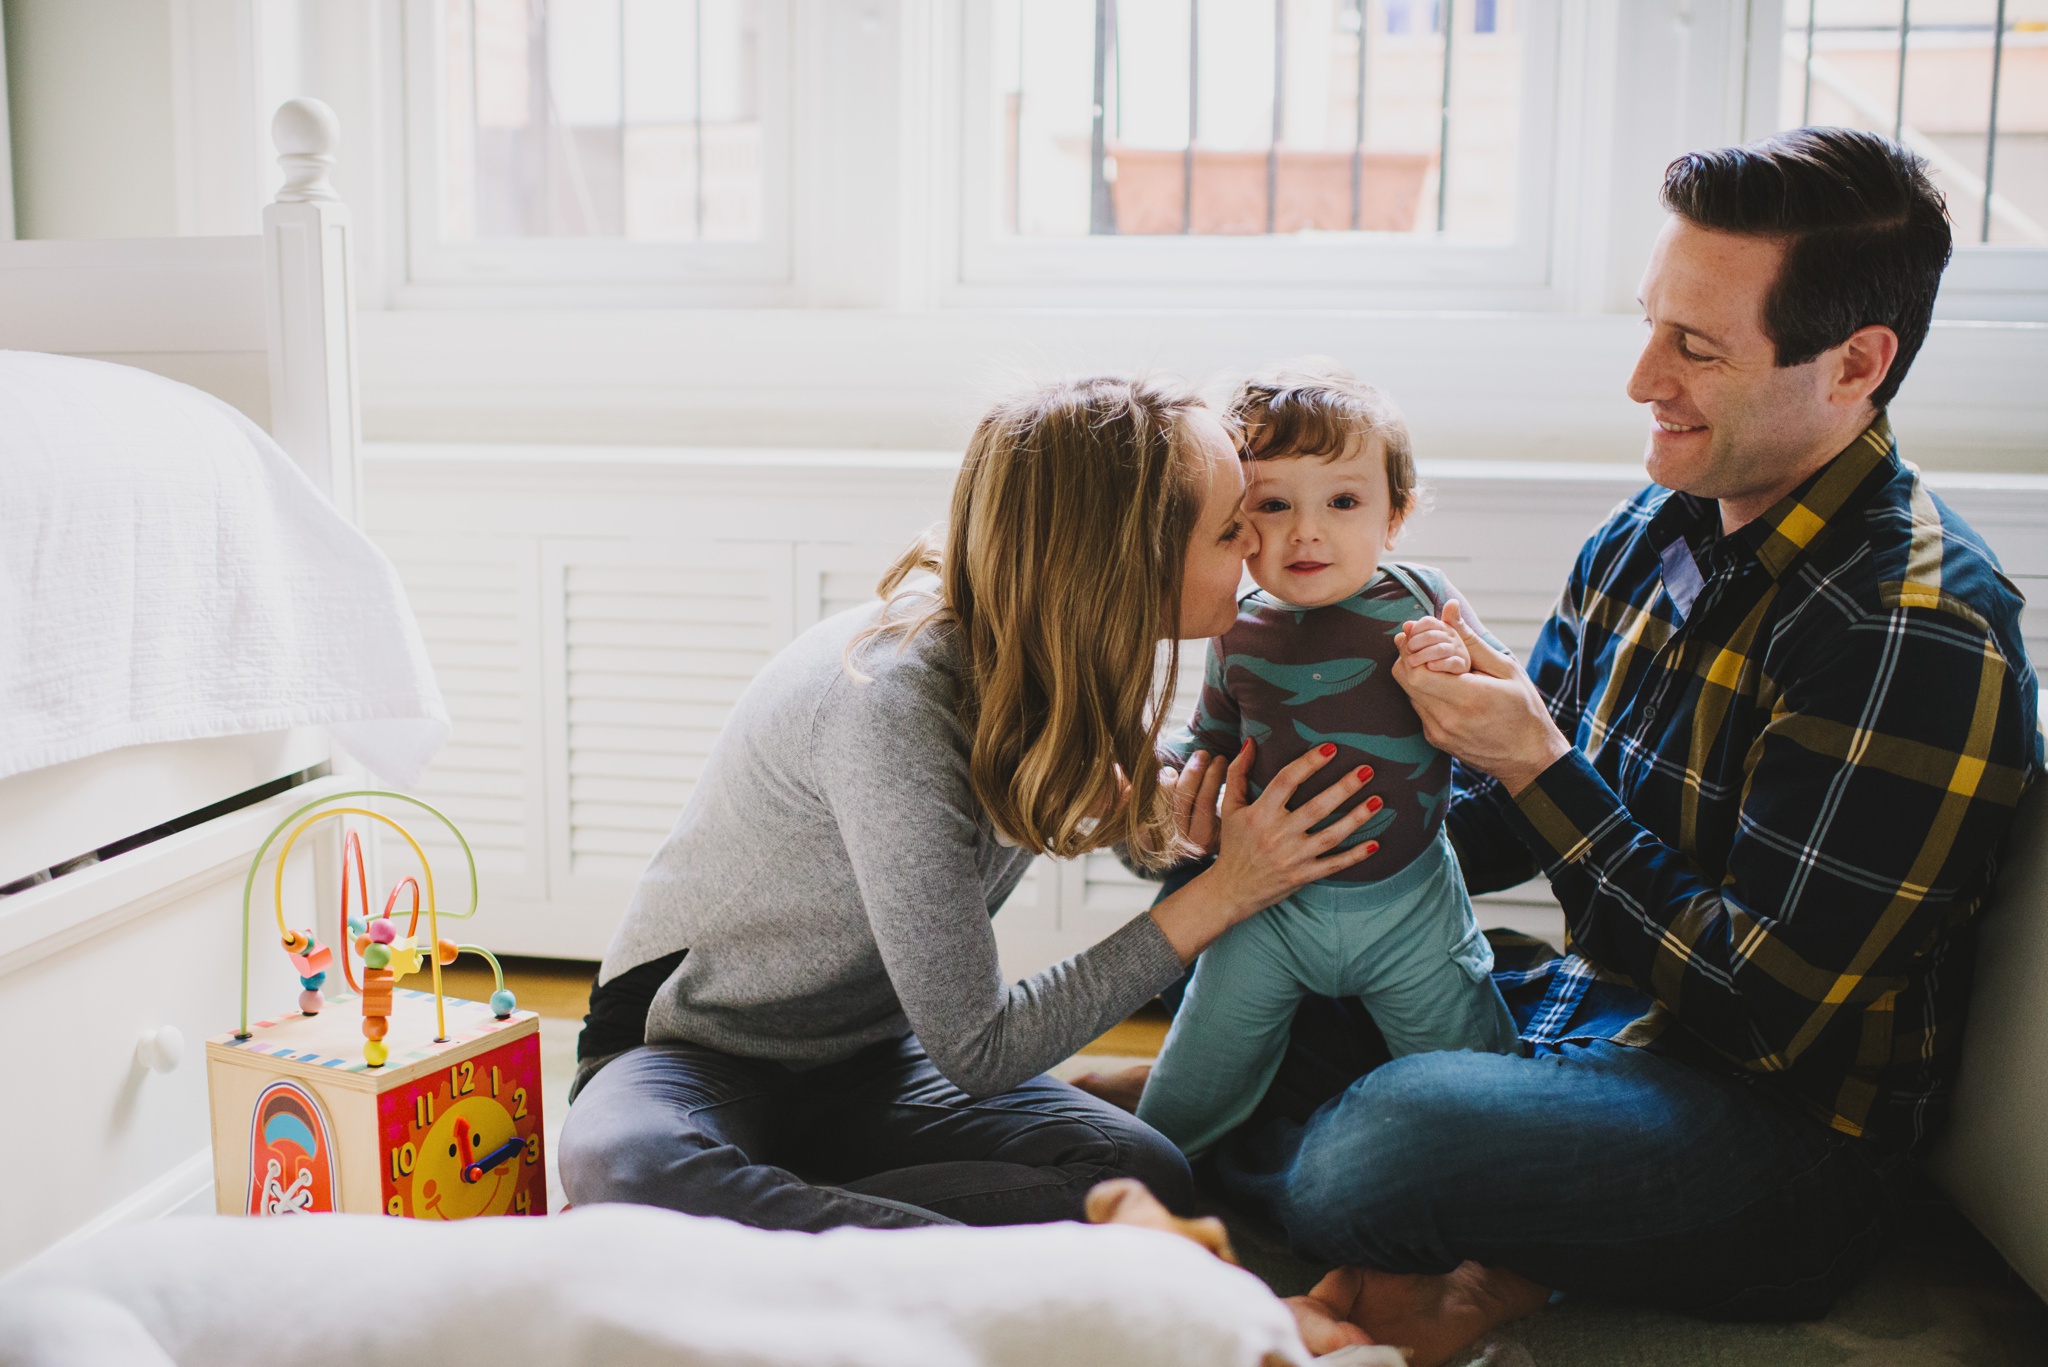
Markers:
1798,750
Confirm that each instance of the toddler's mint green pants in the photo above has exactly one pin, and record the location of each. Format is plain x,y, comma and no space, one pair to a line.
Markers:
1407,945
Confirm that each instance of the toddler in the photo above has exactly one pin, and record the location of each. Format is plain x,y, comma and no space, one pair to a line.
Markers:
1309,663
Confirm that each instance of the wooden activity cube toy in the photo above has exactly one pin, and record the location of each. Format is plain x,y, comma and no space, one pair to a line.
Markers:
385,1099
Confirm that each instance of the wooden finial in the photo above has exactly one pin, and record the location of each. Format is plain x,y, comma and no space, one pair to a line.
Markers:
306,133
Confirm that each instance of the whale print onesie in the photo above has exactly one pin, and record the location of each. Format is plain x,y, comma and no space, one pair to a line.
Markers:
1395,930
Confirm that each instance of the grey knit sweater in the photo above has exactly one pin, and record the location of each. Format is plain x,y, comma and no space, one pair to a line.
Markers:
833,878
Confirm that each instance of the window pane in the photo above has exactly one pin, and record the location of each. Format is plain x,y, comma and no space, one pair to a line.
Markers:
1940,103
602,118
1193,140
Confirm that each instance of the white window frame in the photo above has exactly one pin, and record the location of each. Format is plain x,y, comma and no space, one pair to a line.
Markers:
601,272
1313,269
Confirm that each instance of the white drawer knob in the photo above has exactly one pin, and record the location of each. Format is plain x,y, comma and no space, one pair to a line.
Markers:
160,1050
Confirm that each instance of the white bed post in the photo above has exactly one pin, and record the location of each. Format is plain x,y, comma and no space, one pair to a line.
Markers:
310,317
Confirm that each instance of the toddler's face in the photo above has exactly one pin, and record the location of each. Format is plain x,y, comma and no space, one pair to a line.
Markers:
1322,525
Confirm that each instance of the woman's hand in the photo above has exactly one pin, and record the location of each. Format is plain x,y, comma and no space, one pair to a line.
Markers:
1194,792
1266,851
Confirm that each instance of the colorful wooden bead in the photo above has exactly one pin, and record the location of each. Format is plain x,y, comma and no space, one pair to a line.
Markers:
362,943
374,1053
375,1027
297,941
376,956
447,951
503,1003
382,931
314,960
310,1002
314,983
357,925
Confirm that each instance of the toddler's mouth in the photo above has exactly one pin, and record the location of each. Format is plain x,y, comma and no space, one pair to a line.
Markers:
1307,566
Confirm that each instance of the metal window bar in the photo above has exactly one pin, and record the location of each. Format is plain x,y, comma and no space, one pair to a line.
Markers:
697,104
1806,96
1279,111
1899,105
1991,125
1101,207
1017,136
1358,127
620,10
1443,137
1187,158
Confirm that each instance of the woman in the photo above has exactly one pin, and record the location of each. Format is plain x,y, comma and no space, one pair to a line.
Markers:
801,1023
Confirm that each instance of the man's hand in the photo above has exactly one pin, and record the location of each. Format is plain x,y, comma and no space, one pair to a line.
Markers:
1491,718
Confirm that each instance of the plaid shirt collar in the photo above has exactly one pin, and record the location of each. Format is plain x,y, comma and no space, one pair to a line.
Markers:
1795,522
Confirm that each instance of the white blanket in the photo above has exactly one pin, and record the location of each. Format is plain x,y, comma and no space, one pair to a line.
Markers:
628,1286
167,573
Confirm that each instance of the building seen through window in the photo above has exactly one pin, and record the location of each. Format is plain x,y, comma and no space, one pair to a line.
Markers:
1962,82
632,119
1141,117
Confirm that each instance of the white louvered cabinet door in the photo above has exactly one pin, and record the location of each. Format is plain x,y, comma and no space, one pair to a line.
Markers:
474,597
646,648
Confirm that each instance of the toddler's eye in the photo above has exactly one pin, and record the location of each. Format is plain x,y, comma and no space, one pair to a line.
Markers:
1344,501
1273,505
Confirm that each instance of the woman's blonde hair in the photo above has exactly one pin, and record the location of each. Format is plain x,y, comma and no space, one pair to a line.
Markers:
1061,571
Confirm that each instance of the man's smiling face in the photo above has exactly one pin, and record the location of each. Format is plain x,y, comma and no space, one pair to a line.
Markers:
1728,422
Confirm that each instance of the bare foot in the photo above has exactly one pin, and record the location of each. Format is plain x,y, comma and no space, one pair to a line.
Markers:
1127,1201
1121,1088
1435,1318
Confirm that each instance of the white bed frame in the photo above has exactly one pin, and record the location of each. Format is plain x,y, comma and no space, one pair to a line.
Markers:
112,974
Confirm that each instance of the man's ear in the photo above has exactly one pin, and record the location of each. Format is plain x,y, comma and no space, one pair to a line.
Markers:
1862,362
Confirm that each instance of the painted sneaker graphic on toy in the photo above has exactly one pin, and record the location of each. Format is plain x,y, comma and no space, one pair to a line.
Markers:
291,1157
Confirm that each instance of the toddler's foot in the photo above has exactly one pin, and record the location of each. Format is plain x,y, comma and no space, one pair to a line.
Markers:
1127,1201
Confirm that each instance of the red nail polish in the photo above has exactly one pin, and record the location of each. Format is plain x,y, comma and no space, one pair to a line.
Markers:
1364,774
1372,847
1328,749
1373,804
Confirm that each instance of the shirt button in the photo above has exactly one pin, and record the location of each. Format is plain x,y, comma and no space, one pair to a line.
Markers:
1650,712
1317,677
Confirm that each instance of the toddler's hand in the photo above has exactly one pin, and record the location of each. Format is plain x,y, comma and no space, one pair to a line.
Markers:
1433,644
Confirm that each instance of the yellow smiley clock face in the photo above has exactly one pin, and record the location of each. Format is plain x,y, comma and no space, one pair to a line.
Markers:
465,1140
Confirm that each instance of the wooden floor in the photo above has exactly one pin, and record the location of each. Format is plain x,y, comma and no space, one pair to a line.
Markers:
560,988
552,987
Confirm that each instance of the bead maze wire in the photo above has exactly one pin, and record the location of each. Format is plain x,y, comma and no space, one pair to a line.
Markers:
291,938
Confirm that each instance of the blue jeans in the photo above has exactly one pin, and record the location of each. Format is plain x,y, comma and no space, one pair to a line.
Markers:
1595,1169
880,1140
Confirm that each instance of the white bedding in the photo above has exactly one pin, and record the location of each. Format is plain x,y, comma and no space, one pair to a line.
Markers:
624,1286
167,573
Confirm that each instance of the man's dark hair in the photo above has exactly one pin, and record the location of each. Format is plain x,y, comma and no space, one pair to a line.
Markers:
1866,234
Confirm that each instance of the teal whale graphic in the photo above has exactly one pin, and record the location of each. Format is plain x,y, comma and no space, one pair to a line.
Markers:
1399,749
1306,682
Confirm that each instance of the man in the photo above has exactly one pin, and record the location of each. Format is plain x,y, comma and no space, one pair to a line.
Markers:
1766,751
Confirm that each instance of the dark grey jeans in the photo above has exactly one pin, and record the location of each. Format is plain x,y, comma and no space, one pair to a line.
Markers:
880,1139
